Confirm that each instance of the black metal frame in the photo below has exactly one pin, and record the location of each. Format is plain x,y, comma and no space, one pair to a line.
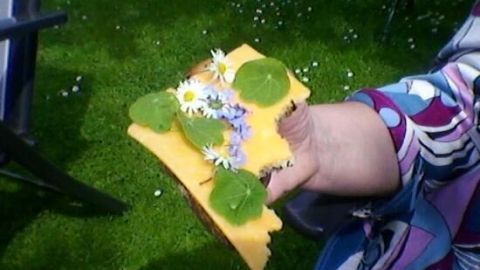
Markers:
393,10
22,30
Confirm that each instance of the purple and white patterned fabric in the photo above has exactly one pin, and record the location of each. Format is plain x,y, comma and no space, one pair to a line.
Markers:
433,222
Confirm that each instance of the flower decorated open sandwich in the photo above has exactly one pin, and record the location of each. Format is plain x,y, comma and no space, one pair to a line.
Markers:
217,133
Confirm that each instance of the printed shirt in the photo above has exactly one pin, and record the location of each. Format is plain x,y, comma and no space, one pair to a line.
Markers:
433,222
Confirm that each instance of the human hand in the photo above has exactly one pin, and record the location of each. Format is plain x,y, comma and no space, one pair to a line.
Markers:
341,149
337,149
298,130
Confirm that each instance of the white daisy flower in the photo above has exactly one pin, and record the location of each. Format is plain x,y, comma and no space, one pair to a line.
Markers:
191,96
210,153
216,102
216,158
221,67
225,162
209,112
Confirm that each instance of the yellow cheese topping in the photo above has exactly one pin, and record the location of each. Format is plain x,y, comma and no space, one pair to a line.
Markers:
264,148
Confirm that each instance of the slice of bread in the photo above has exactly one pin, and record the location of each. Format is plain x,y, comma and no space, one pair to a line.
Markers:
265,149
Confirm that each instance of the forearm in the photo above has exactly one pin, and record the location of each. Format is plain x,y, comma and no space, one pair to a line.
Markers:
355,151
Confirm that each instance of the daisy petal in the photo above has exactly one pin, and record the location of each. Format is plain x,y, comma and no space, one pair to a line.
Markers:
229,76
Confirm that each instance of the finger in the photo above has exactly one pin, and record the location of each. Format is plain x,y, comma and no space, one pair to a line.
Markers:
281,182
286,180
295,117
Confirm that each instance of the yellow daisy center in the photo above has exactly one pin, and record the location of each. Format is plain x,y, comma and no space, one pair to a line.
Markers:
189,95
222,68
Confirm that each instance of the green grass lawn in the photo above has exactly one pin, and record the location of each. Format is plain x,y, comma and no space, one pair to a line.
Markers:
125,49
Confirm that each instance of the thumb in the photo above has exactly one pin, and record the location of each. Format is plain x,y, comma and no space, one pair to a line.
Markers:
297,127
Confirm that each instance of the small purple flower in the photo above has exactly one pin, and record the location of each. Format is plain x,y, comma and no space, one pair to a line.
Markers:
223,97
220,107
237,122
227,113
229,95
236,116
233,113
210,91
238,157
218,104
239,110
245,131
239,160
235,139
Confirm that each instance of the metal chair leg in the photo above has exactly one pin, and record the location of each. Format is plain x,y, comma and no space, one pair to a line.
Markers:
393,10
53,177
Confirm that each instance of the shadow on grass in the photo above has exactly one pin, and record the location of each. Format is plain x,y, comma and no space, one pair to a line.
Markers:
334,23
58,140
56,119
210,256
327,22
56,251
116,23
20,207
17,210
292,255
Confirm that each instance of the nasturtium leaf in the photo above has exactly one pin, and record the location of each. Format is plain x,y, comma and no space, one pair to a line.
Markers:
264,81
155,110
202,131
237,196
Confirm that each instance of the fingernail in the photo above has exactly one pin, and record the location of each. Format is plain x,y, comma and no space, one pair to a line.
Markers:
266,179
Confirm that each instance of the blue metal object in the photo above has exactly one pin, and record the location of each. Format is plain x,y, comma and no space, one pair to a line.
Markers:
20,21
318,216
6,8
393,10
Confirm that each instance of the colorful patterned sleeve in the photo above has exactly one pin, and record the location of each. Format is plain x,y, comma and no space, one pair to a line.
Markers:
433,222
432,121
433,117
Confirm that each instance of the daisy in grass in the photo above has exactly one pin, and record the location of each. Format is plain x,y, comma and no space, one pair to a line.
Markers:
221,67
191,96
216,158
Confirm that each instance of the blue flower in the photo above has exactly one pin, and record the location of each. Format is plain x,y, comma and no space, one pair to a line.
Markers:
235,139
233,112
227,113
237,156
245,131
238,160
217,103
229,95
219,106
237,122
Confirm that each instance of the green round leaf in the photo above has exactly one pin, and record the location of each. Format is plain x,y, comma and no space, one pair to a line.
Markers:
264,81
237,196
202,131
155,110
